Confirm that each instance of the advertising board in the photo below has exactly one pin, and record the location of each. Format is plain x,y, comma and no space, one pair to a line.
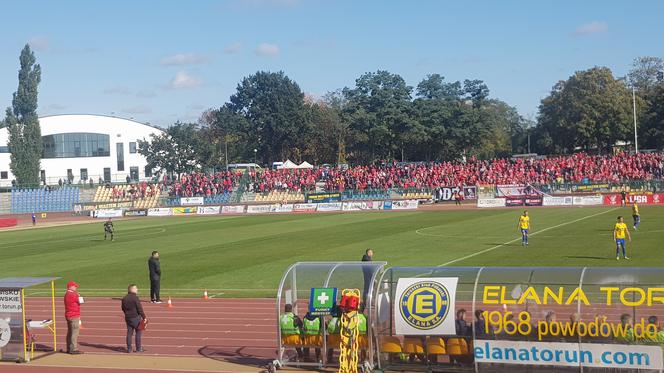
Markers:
236,209
208,210
192,201
323,197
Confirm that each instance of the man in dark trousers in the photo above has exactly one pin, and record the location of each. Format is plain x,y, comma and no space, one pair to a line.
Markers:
368,272
155,277
133,312
73,316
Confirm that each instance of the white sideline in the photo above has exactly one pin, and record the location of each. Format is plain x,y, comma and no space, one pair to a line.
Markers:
519,238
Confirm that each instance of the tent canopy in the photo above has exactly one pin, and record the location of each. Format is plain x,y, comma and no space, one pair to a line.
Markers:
292,165
305,164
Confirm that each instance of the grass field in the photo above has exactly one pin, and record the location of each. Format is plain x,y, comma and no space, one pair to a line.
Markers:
246,255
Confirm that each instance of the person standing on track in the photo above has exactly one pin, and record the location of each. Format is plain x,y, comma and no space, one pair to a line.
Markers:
524,226
34,219
154,266
133,312
619,232
73,317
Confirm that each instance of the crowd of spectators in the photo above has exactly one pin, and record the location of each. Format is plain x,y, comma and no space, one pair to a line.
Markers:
296,180
201,184
577,168
133,191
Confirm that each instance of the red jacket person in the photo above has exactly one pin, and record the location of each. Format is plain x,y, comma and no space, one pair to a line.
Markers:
73,317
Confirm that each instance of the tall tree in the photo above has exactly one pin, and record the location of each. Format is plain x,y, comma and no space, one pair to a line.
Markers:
273,107
590,110
646,73
180,149
25,143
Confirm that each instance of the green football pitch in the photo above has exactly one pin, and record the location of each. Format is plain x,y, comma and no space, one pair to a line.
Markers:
246,255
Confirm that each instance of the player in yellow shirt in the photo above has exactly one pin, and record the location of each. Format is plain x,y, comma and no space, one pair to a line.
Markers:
619,232
636,215
524,227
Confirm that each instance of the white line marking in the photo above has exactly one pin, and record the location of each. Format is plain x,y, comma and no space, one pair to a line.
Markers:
519,238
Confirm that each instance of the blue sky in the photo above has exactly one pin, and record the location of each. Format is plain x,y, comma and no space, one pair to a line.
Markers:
162,61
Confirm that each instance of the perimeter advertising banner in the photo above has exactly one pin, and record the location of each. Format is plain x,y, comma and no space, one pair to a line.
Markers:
603,325
641,199
425,306
323,197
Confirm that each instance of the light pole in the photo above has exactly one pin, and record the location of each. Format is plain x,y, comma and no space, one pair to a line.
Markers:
636,139
255,155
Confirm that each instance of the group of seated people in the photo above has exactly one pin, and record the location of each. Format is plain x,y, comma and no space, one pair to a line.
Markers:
292,180
133,191
576,168
306,333
202,184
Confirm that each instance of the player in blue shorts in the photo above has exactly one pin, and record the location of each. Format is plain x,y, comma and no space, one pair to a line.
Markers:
619,232
524,226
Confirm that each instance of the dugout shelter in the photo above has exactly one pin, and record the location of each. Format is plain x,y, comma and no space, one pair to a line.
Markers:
295,289
15,328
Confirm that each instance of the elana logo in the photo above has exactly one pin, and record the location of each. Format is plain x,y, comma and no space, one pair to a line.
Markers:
425,305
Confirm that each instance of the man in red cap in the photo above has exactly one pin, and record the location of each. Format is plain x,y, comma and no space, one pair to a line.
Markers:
73,315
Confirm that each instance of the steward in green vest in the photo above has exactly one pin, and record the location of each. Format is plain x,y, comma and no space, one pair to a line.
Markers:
291,329
312,334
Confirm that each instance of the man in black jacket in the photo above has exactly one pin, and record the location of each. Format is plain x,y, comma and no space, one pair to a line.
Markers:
155,277
133,312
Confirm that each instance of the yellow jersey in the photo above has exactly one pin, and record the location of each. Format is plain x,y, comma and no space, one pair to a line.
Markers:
635,210
524,222
620,230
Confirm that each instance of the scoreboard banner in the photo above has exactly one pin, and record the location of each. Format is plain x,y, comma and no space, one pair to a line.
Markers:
425,306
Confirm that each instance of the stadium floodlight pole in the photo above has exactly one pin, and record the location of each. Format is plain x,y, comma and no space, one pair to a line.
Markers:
636,139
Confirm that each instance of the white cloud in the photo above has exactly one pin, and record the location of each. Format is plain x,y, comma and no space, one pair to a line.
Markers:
40,43
182,59
267,49
183,80
117,90
138,109
233,48
594,27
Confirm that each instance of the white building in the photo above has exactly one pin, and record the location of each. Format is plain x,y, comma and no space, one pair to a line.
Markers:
83,147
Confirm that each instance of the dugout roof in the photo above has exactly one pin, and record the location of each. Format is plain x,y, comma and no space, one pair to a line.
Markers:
25,282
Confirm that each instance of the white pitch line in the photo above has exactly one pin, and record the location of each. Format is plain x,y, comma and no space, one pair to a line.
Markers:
519,238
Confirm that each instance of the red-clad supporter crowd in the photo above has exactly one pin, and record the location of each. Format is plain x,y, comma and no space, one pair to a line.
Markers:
577,168
296,180
134,191
202,185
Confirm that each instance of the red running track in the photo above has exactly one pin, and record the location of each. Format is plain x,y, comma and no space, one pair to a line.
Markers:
234,330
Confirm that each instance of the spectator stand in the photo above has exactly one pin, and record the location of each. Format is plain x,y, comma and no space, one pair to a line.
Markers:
295,289
17,341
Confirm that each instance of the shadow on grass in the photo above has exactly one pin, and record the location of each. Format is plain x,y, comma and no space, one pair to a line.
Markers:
586,257
237,355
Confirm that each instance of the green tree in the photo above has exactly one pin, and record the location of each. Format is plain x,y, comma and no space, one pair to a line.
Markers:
180,149
378,111
273,106
590,110
25,143
646,73
653,133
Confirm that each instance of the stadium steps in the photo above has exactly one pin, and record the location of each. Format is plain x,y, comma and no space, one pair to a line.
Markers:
248,197
5,203
88,194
